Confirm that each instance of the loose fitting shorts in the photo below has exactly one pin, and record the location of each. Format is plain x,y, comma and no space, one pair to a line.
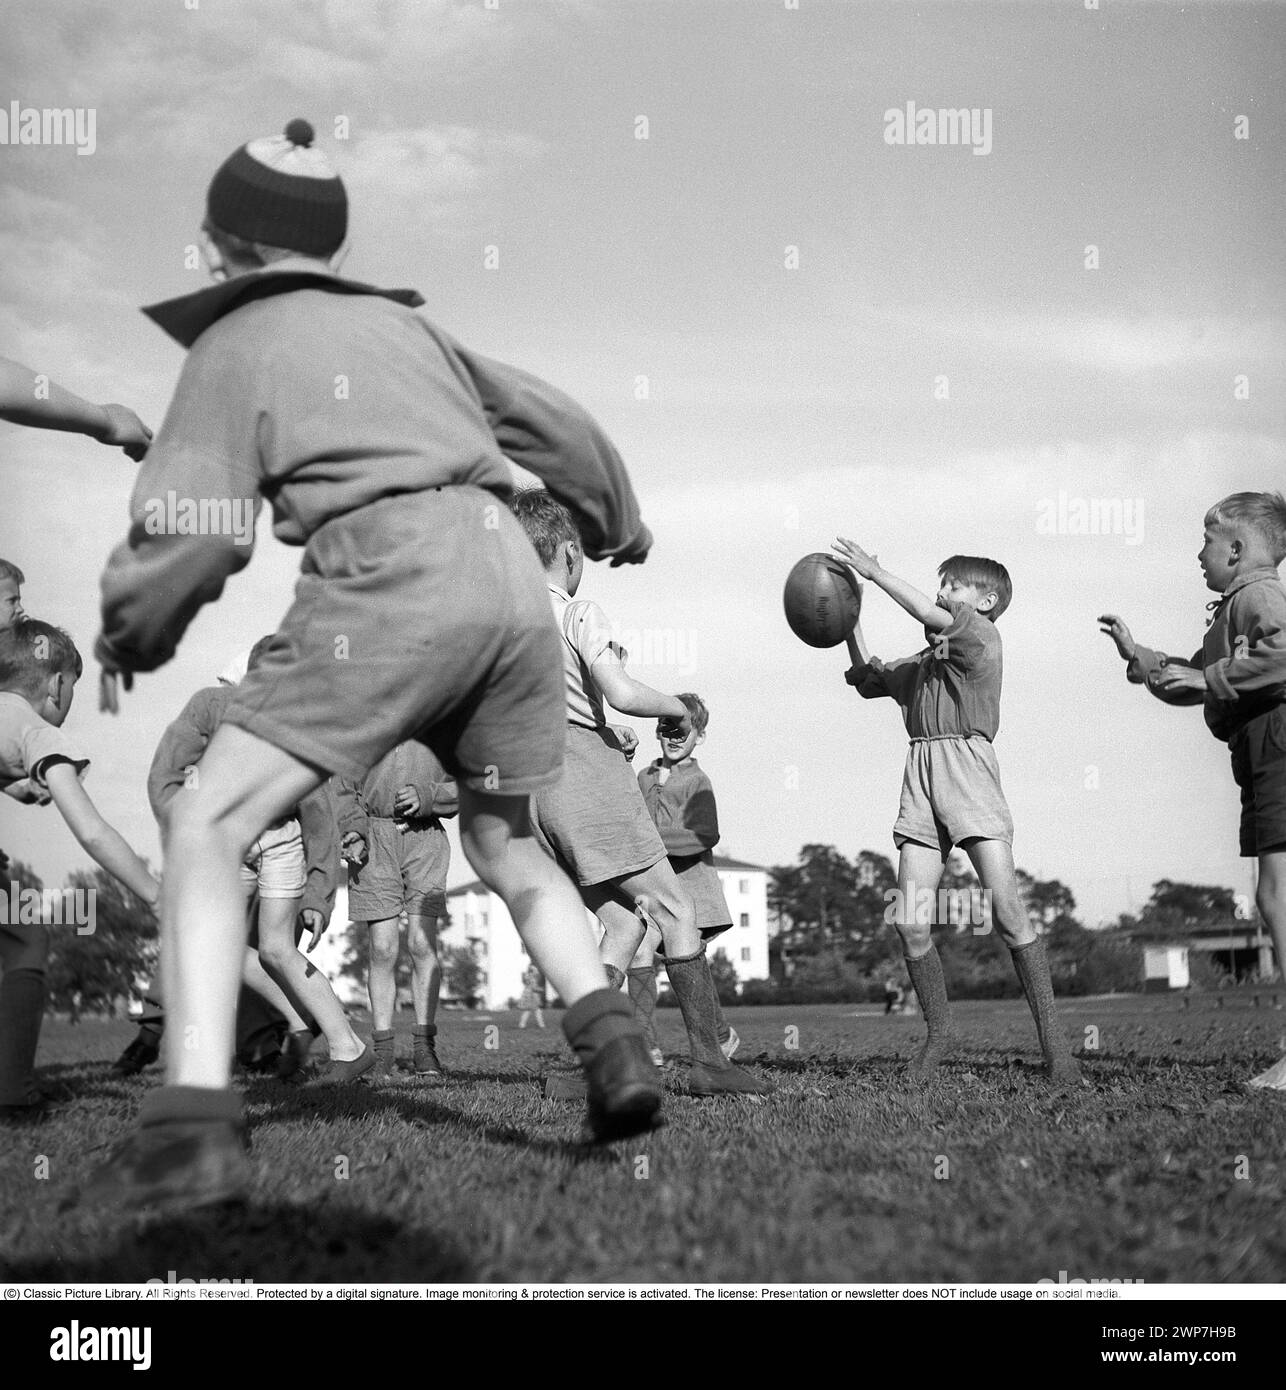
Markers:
594,820
697,874
951,792
419,616
1258,751
405,871
23,945
275,866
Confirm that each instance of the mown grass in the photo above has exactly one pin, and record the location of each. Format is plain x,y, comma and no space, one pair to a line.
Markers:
1160,1169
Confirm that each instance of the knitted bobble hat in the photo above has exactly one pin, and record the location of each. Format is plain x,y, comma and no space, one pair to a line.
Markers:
282,192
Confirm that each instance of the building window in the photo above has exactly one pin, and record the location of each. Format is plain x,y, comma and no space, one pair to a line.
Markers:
745,953
743,886
745,919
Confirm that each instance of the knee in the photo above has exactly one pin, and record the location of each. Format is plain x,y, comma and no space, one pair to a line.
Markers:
275,954
383,954
916,938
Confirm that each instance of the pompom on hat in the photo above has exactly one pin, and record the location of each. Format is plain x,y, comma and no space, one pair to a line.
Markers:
281,191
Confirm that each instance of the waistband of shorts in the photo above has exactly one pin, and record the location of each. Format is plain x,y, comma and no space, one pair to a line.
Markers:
411,822
944,738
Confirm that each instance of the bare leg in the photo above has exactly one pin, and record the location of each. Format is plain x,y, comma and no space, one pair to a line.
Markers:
1270,898
919,873
426,972
381,981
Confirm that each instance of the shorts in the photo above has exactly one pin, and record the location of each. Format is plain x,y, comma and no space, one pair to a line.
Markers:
951,792
697,874
405,871
594,820
419,616
23,945
1258,751
275,866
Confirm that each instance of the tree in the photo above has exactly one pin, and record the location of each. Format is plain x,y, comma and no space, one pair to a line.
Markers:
824,901
356,964
462,972
724,975
91,971
1183,909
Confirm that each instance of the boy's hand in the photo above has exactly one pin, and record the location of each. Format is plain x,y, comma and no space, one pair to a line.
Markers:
1119,633
352,849
674,725
1179,678
125,431
407,802
852,554
110,684
627,738
312,921
28,793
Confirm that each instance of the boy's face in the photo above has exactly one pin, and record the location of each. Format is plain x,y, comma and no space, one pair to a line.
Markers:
676,747
957,591
10,603
1220,551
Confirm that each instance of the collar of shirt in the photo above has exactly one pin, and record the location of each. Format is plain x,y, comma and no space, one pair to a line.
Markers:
1255,576
188,316
560,591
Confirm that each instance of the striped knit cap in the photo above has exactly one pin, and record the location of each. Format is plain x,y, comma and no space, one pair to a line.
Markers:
282,192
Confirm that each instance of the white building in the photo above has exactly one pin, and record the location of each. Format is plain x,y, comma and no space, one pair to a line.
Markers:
480,918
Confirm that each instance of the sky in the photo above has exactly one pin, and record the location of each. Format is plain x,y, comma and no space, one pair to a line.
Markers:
792,328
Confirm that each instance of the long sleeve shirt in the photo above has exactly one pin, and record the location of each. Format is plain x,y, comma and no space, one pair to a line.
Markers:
323,396
682,805
409,764
1243,656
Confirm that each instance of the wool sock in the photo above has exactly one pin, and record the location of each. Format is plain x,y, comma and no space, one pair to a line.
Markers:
22,1010
383,1040
699,1004
931,990
642,980
595,1019
722,1027
1032,965
190,1104
424,1030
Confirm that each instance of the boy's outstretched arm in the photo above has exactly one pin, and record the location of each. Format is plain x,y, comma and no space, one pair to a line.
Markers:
1171,679
104,845
920,606
547,433
620,690
28,398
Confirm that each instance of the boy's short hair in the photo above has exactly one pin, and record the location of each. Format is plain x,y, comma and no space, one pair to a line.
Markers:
988,575
697,710
31,652
8,570
1264,513
547,522
239,248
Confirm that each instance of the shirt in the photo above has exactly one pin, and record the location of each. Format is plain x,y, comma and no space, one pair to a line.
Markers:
682,805
28,744
1243,656
323,396
409,764
586,636
952,688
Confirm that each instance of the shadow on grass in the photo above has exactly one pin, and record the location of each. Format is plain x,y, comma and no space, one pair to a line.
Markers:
267,1244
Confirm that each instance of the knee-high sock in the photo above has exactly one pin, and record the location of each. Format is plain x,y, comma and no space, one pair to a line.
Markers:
931,990
1032,965
699,1004
642,980
22,1010
595,1019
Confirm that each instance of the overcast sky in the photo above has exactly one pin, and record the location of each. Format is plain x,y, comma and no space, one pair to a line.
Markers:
799,295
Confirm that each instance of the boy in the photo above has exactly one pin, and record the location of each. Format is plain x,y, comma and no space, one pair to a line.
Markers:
391,832
11,581
1239,676
39,668
949,695
594,821
420,612
680,800
30,398
288,874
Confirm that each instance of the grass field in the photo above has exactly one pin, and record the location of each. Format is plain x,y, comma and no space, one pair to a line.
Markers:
1160,1170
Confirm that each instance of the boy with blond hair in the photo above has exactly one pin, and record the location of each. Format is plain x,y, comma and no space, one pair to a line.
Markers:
949,695
420,613
1239,677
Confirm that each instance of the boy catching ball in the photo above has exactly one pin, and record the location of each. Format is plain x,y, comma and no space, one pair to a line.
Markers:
420,612
1239,677
949,695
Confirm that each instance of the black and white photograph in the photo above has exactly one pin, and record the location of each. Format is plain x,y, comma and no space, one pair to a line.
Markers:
643,657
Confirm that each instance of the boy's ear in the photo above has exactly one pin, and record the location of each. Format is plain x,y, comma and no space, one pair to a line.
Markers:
987,602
